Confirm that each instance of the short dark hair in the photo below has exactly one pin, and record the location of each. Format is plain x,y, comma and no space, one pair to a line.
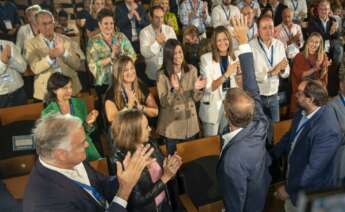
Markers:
263,16
315,90
239,107
55,81
104,13
155,7
63,13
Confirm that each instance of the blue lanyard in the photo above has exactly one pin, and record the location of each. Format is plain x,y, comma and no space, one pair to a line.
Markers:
288,33
270,61
295,6
222,68
99,197
251,32
342,99
227,15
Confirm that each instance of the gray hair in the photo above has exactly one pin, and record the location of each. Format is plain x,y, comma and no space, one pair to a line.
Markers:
42,12
35,7
53,132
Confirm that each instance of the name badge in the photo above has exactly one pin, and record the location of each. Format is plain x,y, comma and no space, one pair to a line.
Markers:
6,78
327,45
8,24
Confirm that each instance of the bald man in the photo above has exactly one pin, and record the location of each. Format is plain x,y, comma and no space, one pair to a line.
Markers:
242,170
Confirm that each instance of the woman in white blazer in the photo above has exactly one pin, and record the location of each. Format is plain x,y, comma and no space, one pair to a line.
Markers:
221,69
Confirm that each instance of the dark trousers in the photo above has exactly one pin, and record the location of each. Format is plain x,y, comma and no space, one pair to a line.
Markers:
15,98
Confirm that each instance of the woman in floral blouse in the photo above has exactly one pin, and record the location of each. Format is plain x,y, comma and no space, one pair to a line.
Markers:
104,48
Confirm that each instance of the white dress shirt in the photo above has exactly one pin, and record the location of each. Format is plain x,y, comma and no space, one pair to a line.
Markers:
268,86
228,137
152,50
297,6
284,34
10,73
79,174
24,34
221,15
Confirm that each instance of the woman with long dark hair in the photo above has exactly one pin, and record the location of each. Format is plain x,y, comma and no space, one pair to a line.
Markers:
179,87
59,100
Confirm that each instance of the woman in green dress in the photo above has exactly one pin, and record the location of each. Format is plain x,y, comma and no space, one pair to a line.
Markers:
59,100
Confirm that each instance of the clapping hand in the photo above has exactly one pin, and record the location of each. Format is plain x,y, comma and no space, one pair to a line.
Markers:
160,37
232,68
333,28
59,46
200,83
240,29
6,54
115,50
91,117
133,165
132,99
171,164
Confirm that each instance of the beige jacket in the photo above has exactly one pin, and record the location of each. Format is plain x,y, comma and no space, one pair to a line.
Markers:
178,118
36,53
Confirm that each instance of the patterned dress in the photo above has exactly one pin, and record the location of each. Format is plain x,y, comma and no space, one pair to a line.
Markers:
98,50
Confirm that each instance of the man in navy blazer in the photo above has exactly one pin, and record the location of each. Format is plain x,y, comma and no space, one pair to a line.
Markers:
310,144
242,170
60,181
129,14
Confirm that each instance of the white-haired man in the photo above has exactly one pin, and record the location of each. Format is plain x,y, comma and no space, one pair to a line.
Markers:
61,181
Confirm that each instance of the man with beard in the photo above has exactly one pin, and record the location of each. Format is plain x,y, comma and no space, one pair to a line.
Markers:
310,145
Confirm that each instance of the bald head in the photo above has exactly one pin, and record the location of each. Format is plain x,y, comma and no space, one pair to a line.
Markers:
239,107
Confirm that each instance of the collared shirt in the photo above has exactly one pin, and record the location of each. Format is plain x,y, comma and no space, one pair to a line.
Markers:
297,6
284,35
254,5
79,174
24,34
98,50
221,15
152,50
187,16
228,137
305,118
268,86
324,24
252,32
10,73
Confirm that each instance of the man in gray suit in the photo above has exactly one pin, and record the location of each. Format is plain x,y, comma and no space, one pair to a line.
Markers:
338,102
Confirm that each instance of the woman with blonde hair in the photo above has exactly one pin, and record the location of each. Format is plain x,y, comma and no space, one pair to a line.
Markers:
311,63
221,69
128,92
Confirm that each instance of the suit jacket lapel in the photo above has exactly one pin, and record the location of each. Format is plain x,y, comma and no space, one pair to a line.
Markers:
64,182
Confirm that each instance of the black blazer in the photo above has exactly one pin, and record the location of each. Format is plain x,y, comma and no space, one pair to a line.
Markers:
123,22
51,191
277,16
242,170
315,25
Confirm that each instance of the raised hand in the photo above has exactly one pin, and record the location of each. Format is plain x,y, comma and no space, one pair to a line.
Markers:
59,46
160,37
91,117
171,164
174,81
6,54
200,83
240,29
232,68
129,174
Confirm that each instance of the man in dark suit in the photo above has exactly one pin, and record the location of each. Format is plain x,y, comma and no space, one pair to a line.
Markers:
277,8
242,169
310,144
61,181
130,19
328,28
